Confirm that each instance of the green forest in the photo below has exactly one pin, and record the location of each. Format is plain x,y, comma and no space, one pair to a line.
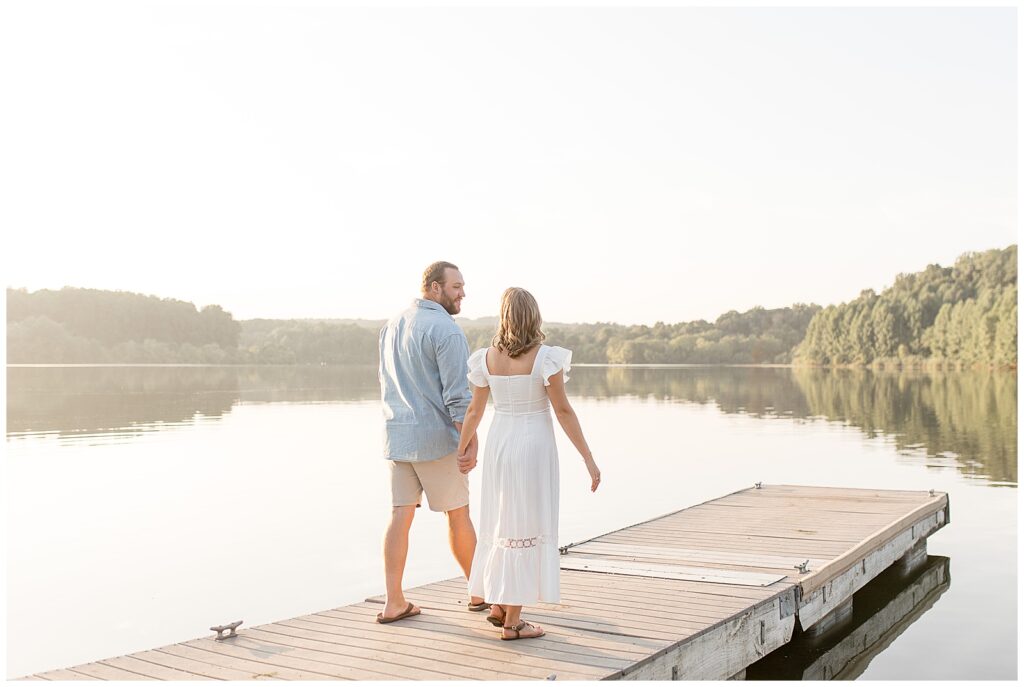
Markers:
964,315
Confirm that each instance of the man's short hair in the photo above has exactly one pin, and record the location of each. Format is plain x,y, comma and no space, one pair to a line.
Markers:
435,272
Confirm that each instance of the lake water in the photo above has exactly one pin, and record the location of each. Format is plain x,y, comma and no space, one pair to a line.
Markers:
145,504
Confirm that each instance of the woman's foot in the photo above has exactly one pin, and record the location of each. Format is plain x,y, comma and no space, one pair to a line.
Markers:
523,630
497,615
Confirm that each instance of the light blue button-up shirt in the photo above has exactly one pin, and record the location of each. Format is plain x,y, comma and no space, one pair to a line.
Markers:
423,384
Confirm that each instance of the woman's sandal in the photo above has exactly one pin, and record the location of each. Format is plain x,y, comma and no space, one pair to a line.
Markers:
518,629
495,620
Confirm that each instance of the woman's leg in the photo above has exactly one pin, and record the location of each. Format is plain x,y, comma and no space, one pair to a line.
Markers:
512,620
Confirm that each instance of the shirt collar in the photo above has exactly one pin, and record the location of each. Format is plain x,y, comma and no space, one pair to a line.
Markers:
424,303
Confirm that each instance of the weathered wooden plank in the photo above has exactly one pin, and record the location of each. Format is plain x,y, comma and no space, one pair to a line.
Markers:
722,594
767,519
155,671
779,546
64,674
773,570
804,503
398,650
566,627
468,642
625,616
101,671
192,666
750,595
259,665
606,565
679,553
853,492
642,597
810,530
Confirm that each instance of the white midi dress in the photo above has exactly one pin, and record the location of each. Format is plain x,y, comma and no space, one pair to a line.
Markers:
516,560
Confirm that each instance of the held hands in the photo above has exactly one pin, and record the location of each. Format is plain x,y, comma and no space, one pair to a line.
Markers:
467,458
595,473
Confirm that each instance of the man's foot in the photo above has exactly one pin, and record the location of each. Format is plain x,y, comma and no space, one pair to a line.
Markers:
393,612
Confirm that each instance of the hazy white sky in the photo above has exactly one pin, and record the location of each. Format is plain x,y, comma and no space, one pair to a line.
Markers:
623,164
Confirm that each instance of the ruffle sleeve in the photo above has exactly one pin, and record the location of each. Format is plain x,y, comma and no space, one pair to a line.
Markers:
477,374
557,358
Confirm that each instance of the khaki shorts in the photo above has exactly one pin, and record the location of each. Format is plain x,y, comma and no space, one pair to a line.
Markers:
446,487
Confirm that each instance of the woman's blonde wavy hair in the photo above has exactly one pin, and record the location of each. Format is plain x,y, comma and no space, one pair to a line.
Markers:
518,323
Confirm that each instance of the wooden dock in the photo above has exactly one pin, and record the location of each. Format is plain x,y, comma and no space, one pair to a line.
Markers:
702,593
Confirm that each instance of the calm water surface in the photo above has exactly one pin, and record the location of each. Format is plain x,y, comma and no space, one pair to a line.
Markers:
146,504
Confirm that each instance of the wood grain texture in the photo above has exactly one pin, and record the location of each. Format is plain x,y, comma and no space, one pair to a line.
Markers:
696,594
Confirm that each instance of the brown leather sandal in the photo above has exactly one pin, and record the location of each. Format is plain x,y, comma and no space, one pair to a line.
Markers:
409,612
496,620
518,629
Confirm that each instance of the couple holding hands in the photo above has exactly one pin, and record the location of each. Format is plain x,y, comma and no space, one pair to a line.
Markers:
431,416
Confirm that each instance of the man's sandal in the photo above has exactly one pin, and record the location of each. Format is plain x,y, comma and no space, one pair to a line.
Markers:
482,606
409,611
518,629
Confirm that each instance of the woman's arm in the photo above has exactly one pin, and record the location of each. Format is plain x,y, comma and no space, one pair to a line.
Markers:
571,425
474,414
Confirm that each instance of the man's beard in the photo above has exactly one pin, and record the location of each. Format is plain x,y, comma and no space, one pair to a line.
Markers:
449,304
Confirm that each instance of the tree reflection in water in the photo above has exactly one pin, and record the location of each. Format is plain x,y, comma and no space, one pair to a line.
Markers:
967,417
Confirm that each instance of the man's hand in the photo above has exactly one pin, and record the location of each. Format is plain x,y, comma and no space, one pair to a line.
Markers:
467,460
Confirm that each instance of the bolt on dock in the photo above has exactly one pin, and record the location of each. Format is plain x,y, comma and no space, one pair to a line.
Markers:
699,594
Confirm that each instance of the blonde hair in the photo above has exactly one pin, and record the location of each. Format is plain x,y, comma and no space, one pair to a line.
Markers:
518,323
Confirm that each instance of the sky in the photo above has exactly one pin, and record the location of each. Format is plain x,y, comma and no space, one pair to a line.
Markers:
624,164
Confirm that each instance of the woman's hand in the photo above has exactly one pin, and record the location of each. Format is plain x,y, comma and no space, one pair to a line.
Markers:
595,473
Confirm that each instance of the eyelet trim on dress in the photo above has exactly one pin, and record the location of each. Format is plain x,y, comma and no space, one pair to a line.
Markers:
516,543
509,543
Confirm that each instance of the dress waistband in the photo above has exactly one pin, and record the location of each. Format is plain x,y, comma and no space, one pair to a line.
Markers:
521,412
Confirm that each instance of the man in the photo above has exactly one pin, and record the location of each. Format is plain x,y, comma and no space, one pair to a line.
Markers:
423,367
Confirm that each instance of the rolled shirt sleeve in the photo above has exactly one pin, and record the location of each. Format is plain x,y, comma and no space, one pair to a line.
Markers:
453,363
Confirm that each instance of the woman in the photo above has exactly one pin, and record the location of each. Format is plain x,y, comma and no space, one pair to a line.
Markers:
516,559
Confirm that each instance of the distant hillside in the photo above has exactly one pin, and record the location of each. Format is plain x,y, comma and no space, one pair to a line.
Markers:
94,326
961,315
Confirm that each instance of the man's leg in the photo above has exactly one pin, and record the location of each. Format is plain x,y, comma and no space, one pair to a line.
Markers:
462,538
396,548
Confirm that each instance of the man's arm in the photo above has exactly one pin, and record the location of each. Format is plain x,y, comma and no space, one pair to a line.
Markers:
452,355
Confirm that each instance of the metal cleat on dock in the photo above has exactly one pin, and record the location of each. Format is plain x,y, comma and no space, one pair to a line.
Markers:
229,628
757,485
802,567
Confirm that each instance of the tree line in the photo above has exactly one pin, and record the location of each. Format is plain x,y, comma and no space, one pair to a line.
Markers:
964,315
961,315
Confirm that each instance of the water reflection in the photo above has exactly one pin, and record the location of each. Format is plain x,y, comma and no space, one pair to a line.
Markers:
882,611
968,419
